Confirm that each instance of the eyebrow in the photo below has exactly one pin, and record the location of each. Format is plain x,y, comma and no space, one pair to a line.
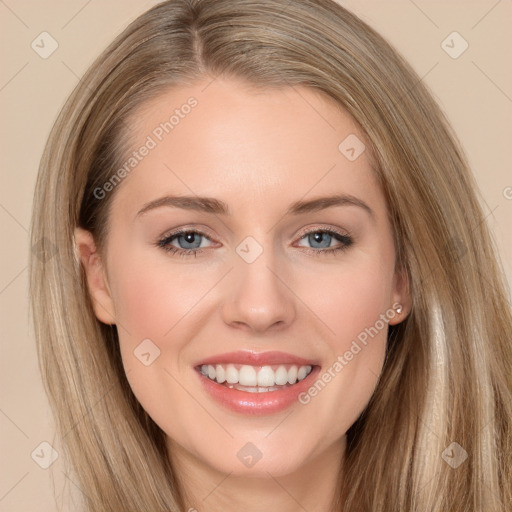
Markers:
218,207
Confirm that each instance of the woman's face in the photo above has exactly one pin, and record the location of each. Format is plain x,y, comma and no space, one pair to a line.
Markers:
287,269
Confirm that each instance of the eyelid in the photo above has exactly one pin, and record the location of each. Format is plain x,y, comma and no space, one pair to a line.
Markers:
318,227
187,229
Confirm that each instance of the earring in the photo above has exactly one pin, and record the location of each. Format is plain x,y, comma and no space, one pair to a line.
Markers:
399,309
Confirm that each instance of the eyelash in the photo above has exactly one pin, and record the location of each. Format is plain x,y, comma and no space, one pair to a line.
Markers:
164,243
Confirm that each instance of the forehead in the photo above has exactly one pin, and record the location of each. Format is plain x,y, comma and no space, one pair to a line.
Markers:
222,139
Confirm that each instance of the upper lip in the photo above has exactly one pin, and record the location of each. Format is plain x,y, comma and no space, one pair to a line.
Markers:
257,359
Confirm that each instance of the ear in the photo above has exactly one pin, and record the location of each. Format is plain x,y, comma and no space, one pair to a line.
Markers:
97,283
400,297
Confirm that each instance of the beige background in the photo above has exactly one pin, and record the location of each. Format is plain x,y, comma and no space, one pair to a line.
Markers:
475,90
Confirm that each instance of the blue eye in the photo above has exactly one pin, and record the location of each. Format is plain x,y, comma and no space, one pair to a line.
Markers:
190,245
190,242
324,238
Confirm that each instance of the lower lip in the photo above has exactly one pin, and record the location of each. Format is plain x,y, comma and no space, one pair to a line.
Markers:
267,402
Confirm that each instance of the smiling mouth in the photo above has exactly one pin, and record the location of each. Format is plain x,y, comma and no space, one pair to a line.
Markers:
255,379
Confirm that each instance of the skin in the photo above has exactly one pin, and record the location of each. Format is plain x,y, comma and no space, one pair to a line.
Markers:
259,152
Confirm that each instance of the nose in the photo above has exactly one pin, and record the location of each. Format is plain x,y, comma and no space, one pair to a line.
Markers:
258,297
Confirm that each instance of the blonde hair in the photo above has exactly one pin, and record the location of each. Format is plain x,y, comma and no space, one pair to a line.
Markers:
445,377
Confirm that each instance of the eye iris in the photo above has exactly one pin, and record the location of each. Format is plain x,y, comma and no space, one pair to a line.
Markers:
189,239
319,237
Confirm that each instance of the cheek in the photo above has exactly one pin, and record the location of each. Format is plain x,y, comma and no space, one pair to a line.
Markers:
161,305
151,300
151,311
354,305
349,301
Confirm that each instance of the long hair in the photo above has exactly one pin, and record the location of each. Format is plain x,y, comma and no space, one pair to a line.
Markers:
446,378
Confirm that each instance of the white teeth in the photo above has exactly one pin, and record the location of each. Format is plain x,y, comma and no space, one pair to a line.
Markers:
281,376
247,376
301,374
220,374
266,376
255,379
231,374
292,375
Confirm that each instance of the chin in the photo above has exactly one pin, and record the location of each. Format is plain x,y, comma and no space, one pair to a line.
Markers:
256,460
